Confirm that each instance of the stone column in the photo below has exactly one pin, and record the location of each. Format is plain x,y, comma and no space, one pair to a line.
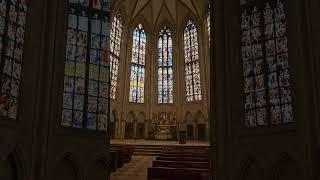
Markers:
122,129
195,130
135,124
146,131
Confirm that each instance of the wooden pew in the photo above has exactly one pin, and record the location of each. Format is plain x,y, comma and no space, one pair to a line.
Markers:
120,159
193,151
192,159
114,159
184,155
130,148
181,164
157,173
183,148
125,153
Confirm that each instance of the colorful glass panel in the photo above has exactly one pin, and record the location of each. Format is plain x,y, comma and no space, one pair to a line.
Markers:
115,41
192,66
86,76
165,70
137,77
209,24
264,55
12,30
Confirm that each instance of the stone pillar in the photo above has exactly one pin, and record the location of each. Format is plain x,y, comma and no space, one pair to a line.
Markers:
116,122
146,130
135,124
195,130
122,129
208,130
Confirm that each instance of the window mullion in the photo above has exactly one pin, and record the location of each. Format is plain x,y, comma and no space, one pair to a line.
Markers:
85,112
191,65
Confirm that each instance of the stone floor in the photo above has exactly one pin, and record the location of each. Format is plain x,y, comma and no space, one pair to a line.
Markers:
137,169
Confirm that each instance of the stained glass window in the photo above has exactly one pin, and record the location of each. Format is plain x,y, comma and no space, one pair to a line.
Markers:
86,76
209,24
137,77
264,55
12,30
116,32
192,66
165,70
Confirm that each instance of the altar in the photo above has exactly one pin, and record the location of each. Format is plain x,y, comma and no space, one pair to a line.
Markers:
165,126
163,136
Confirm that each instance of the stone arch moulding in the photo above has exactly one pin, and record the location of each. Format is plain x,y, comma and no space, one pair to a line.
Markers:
188,118
157,28
68,168
16,161
130,117
170,25
199,117
121,10
251,169
140,19
114,116
287,167
141,117
166,18
98,169
187,17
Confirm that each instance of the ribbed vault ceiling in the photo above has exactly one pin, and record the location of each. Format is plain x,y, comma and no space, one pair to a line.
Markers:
135,7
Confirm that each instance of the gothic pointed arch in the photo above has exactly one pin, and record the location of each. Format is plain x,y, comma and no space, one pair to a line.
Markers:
98,168
251,169
138,65
165,67
287,168
68,168
130,117
13,166
115,49
193,87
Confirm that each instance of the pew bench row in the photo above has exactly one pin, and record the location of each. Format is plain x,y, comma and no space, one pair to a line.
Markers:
173,164
119,154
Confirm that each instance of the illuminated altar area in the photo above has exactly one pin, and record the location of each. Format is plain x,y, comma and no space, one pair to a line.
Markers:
165,126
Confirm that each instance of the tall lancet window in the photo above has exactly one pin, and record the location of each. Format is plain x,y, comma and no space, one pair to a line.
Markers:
209,25
137,77
165,70
12,30
192,66
116,32
264,55
86,76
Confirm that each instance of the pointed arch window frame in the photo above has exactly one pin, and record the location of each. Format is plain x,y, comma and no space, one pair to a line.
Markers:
192,62
115,53
167,77
138,65
208,23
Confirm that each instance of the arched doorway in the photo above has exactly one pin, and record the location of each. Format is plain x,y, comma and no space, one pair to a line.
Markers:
190,126
141,126
9,169
66,169
113,124
201,127
129,126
